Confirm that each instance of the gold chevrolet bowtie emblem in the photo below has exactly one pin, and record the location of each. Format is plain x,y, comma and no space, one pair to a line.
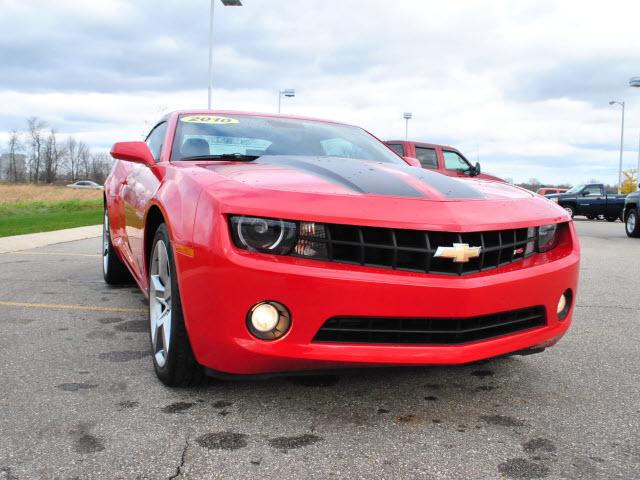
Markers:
459,253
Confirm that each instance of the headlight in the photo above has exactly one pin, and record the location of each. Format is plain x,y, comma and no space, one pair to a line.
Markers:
265,235
280,237
547,237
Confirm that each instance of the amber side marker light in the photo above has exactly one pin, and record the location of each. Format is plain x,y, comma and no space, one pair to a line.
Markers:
564,304
268,320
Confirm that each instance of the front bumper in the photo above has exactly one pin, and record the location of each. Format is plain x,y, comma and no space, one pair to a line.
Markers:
219,285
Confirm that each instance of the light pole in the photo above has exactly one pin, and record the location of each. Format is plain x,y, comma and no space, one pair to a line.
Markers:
287,92
635,82
226,3
613,102
407,116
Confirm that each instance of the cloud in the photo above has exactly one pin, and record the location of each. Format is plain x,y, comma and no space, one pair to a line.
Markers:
525,85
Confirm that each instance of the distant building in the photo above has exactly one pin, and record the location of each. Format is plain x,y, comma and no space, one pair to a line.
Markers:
21,166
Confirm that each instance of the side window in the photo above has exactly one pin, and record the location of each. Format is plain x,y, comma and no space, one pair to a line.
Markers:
593,190
453,161
427,157
155,139
397,147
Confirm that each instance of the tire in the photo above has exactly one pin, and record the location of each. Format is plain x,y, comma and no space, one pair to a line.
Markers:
173,358
612,219
632,223
114,271
570,210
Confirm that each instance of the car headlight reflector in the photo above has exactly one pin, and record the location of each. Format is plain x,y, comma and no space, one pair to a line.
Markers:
265,235
547,237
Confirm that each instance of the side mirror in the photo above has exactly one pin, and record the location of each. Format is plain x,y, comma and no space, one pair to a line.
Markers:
584,193
477,169
137,152
414,162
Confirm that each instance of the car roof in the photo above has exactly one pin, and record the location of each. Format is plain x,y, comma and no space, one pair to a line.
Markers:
253,114
425,144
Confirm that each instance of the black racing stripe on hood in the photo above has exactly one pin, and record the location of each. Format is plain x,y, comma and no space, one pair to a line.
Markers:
359,176
447,186
367,177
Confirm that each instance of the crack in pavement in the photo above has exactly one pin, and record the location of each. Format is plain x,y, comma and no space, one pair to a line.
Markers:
606,306
182,460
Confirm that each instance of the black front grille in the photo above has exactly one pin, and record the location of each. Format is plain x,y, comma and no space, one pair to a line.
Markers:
413,250
429,331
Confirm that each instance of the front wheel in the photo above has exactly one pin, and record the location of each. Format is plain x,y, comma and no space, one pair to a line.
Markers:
569,209
173,359
114,271
632,226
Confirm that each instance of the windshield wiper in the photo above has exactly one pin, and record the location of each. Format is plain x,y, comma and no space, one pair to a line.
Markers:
224,156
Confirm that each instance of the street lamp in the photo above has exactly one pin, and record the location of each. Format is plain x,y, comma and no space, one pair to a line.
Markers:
613,102
407,116
635,82
226,3
287,92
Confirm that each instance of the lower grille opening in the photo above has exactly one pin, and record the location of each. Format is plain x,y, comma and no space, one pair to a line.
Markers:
429,331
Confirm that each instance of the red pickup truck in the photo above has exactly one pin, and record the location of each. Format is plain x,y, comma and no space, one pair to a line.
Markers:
446,160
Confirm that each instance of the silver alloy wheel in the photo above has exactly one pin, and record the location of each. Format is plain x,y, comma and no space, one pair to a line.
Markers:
631,222
569,210
105,242
160,303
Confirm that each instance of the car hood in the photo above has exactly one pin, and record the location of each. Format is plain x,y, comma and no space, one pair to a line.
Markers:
346,176
342,190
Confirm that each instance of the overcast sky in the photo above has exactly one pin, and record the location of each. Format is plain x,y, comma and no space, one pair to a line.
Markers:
522,85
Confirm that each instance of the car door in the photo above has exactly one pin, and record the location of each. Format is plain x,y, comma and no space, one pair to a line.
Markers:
455,165
428,157
139,187
591,201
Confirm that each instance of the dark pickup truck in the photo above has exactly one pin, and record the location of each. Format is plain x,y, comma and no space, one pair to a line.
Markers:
630,214
591,201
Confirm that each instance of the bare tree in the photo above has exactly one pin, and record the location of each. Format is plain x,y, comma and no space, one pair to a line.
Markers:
84,159
100,167
35,128
74,151
53,156
15,173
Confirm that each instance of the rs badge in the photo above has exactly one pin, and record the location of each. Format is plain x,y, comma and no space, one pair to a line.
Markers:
459,253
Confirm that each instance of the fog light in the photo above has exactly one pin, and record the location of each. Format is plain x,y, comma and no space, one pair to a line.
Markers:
268,320
564,304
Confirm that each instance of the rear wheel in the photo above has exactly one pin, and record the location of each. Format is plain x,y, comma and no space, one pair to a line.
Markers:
632,225
173,359
113,270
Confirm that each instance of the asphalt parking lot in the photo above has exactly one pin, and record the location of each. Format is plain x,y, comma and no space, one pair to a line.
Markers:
79,398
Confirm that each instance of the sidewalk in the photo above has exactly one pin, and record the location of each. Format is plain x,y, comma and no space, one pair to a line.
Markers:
34,240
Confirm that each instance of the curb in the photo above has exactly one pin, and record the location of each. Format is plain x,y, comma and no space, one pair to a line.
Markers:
35,240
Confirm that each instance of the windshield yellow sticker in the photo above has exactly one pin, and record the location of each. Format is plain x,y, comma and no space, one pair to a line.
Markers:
213,119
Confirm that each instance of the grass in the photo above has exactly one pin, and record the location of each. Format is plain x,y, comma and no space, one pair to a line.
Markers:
32,208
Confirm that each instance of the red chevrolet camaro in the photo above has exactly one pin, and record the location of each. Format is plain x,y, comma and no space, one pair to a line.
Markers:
271,244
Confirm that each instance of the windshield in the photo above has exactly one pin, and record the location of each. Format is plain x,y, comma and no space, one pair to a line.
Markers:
576,189
246,137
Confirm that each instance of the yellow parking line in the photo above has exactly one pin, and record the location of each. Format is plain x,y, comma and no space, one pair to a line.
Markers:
72,307
55,253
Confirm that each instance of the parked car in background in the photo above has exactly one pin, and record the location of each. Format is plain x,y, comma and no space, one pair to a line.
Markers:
590,201
86,184
550,190
272,243
442,158
630,214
